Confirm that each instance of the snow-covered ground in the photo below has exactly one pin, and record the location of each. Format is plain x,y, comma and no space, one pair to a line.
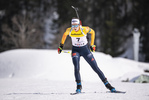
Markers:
28,74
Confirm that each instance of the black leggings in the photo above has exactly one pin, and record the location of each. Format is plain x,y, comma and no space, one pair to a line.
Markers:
88,56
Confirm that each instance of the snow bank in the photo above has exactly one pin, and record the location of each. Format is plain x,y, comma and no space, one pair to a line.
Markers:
48,64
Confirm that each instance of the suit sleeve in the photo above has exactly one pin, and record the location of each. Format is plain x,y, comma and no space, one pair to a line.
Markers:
92,36
92,32
64,36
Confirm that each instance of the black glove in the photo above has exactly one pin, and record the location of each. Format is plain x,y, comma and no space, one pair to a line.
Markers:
93,48
60,48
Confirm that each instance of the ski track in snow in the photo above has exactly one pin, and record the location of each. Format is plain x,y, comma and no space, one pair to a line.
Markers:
39,89
29,74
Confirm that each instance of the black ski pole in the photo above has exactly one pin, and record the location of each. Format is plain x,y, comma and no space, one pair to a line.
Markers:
76,9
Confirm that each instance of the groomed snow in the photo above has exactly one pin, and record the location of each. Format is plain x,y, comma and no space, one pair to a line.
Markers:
28,74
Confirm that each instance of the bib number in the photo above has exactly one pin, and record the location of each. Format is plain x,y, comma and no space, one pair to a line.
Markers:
79,41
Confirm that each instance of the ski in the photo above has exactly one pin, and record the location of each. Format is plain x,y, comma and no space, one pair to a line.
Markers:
76,93
123,92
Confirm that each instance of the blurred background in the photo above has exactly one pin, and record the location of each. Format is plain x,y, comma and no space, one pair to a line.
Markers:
40,24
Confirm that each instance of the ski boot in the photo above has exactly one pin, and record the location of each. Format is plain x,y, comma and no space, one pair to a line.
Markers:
108,86
79,87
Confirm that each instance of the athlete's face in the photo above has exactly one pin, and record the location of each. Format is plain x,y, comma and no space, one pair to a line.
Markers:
75,27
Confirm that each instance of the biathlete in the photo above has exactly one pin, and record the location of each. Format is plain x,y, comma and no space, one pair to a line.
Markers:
78,33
